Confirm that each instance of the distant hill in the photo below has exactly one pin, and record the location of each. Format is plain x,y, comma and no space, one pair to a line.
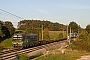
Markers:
38,23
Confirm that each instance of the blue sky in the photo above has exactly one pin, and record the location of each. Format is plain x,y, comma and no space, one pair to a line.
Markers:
61,11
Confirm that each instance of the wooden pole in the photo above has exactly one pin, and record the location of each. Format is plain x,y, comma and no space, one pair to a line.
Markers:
42,32
67,33
78,28
63,32
70,30
70,35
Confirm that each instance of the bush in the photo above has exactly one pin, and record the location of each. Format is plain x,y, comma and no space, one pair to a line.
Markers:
22,57
1,48
25,57
60,35
69,55
82,42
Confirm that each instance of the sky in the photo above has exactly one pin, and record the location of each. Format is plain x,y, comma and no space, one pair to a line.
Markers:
61,11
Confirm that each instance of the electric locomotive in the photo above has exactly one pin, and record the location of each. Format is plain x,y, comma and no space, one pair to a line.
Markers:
24,40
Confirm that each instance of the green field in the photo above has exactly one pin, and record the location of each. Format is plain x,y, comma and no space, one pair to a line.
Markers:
55,34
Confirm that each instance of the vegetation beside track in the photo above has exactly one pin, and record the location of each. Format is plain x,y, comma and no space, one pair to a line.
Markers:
57,55
25,57
7,43
82,42
22,57
80,47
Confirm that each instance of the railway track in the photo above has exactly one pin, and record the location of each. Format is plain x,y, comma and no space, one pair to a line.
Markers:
11,54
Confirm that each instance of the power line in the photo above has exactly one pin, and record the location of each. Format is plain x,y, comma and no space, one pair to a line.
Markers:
12,14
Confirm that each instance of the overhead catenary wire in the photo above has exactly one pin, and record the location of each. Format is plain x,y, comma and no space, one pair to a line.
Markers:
13,14
16,16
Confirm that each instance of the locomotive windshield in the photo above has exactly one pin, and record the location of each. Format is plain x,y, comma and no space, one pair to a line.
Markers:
17,37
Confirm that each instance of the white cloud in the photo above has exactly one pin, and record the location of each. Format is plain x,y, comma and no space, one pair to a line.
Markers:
74,6
43,11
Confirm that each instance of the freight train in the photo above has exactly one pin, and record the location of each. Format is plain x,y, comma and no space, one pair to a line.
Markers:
25,40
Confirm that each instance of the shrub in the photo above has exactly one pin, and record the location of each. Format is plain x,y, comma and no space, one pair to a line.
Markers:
1,48
22,57
60,35
82,42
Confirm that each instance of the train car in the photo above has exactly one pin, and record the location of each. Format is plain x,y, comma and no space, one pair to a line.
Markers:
24,40
73,35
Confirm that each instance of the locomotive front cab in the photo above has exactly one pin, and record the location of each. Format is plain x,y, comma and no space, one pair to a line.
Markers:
17,40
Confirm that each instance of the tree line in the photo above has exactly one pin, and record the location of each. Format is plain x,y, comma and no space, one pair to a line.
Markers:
35,26
38,24
6,30
31,25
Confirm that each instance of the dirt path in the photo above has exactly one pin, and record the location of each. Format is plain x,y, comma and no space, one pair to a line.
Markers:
84,57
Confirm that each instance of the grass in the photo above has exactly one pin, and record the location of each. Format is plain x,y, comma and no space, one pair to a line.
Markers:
32,57
55,34
69,55
6,43
52,36
25,57
22,57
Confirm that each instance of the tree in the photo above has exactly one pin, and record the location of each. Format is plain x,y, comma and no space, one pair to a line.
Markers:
28,30
60,35
46,33
5,31
82,42
10,27
37,24
1,32
74,27
88,28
